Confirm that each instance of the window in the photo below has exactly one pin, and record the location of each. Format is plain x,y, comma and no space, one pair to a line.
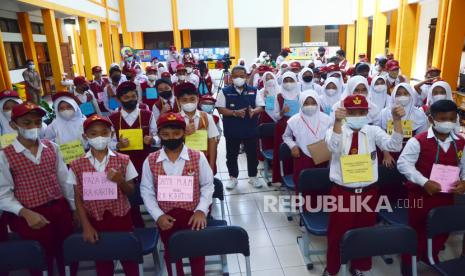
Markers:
332,37
15,56
158,40
9,25
209,38
37,28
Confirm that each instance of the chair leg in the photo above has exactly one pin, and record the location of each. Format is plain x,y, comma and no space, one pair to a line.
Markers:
223,215
247,266
414,265
344,269
224,264
156,262
304,243
387,259
44,273
173,269
141,269
67,270
430,251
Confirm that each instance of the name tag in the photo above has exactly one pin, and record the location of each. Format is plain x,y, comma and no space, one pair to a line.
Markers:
71,151
151,93
87,108
175,188
446,176
96,186
356,168
113,103
407,128
198,140
135,137
7,139
269,103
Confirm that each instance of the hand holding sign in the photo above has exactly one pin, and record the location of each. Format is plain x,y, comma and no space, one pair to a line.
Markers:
459,187
116,175
123,142
432,187
397,113
190,128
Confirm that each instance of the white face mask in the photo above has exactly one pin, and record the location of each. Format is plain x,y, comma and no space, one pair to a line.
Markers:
189,107
238,82
270,84
7,115
32,67
331,92
152,77
67,114
439,97
289,85
138,71
309,110
356,122
444,127
403,100
182,77
380,88
189,70
99,143
29,134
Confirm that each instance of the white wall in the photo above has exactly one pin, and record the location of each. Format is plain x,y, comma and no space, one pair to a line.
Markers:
258,13
318,33
148,15
100,52
16,75
84,6
248,45
202,14
315,13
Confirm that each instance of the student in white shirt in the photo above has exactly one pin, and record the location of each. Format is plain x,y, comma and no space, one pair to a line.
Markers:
330,94
355,137
378,92
175,159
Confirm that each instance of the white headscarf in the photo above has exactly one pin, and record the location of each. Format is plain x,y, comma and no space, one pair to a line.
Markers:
313,120
266,91
293,94
326,100
443,84
4,121
382,100
67,130
305,85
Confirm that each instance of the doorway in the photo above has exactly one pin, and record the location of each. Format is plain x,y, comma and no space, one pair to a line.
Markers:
269,40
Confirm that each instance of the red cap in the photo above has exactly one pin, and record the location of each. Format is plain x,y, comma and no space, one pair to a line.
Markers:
356,102
25,108
350,71
207,98
166,75
60,94
9,94
96,69
433,69
80,80
151,69
96,118
392,65
180,67
332,68
295,64
263,68
288,50
169,119
132,71
172,48
184,87
125,87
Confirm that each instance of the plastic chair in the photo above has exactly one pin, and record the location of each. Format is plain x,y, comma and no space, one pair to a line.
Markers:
227,240
149,238
390,177
111,246
219,194
443,220
376,241
316,223
16,255
266,130
288,180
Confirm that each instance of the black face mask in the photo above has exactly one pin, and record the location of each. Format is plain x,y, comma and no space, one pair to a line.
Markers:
129,105
116,78
166,94
307,78
85,88
172,144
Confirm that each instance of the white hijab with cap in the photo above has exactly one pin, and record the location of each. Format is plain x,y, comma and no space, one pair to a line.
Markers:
269,91
313,120
326,100
63,131
5,127
382,100
443,84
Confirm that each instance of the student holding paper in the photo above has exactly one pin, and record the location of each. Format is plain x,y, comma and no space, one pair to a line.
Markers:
434,165
286,105
166,100
136,132
33,187
201,131
97,85
109,92
109,212
149,91
87,101
354,171
8,99
172,164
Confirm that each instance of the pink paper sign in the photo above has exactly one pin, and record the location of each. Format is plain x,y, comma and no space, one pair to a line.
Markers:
446,176
96,186
175,188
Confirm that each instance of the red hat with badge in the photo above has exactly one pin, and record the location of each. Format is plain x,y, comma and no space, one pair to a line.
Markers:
207,98
356,102
263,68
80,80
9,94
60,94
96,119
166,75
96,69
332,68
295,64
171,119
124,87
392,65
25,108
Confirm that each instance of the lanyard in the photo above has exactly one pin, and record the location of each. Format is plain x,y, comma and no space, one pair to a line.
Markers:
311,130
455,147
121,116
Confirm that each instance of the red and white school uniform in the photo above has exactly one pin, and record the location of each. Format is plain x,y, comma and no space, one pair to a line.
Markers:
144,86
106,215
97,87
39,184
189,163
173,106
88,96
416,163
364,141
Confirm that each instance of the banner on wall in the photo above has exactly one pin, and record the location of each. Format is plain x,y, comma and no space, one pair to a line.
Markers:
311,52
145,55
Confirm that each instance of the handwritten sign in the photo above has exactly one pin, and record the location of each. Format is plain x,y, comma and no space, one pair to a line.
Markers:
198,140
356,168
71,151
151,93
407,128
175,188
87,108
135,137
7,139
96,186
293,107
269,103
100,97
113,104
446,176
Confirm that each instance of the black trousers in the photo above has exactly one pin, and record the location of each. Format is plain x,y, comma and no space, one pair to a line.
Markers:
232,152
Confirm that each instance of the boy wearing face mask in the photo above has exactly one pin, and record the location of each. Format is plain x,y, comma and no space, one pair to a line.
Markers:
355,137
104,215
97,85
86,99
439,145
149,91
8,99
109,92
188,98
180,76
175,159
190,75
394,77
207,104
140,122
166,100
33,187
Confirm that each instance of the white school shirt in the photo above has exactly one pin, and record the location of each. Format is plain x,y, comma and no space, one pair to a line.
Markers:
339,144
131,172
105,97
297,129
212,129
221,99
83,98
131,118
409,157
192,78
8,202
156,112
205,178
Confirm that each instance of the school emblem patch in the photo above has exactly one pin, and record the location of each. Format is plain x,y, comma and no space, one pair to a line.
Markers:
459,154
357,101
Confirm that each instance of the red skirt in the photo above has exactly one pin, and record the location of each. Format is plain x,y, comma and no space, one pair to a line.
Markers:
267,143
277,140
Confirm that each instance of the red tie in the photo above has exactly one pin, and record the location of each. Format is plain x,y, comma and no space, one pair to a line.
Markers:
354,145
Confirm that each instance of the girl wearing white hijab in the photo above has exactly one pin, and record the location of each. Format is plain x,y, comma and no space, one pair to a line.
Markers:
283,68
440,90
305,78
67,126
307,127
269,93
378,92
8,99
331,92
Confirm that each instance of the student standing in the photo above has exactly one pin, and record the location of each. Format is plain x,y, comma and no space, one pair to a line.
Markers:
149,91
87,101
109,93
8,99
97,85
166,100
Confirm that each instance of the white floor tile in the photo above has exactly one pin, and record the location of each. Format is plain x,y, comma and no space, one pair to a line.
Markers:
242,207
289,255
284,235
275,220
261,258
259,238
269,272
248,222
302,271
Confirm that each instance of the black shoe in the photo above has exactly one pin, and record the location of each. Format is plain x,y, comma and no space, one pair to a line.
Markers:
356,272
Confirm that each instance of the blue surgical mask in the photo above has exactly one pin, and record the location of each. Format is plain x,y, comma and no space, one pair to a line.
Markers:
207,108
356,122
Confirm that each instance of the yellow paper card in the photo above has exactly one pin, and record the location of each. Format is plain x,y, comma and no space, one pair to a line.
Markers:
356,168
71,151
198,140
7,139
135,137
407,128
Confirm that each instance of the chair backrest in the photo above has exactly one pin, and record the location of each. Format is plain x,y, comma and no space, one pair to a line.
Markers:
265,130
218,192
110,246
445,219
315,179
378,240
284,152
210,241
389,177
21,254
